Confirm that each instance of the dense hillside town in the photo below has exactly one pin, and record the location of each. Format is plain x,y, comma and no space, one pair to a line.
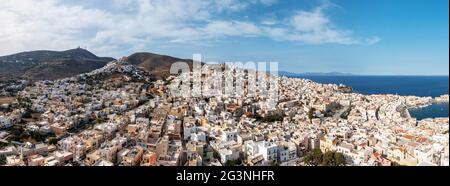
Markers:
118,116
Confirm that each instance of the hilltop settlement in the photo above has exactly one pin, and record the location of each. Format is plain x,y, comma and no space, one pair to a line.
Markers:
117,115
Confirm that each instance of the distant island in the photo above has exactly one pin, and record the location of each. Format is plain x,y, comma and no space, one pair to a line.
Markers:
286,73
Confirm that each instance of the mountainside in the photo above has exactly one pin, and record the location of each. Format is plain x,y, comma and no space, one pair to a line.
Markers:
49,65
157,65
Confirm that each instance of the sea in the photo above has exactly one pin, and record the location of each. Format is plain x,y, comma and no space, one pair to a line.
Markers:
423,86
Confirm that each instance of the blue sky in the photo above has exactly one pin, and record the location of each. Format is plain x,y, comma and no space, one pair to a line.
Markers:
383,37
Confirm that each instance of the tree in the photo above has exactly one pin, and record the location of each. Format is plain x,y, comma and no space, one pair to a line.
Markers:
52,140
311,114
24,102
216,155
339,159
270,118
233,162
314,157
330,158
2,160
3,145
345,114
100,120
275,164
393,163
37,136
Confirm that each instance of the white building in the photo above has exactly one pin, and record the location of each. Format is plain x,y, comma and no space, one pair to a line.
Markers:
8,151
189,127
200,136
444,157
269,150
229,134
251,148
424,153
5,122
228,155
188,131
287,152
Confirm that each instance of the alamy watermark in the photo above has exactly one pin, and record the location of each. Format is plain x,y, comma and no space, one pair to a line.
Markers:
239,80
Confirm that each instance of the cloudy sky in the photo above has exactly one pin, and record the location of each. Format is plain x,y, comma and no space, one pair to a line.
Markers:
401,37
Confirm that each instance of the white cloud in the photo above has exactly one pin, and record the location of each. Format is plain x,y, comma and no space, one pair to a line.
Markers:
136,24
316,28
310,21
29,25
268,22
268,2
269,19
231,5
237,5
372,40
235,28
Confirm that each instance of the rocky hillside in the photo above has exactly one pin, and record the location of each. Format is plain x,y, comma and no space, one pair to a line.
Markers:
157,65
49,65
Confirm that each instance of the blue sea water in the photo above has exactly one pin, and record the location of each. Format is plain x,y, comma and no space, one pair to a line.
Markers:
432,111
433,86
402,85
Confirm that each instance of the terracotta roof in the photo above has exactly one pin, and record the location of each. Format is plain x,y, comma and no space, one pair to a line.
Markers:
410,137
421,139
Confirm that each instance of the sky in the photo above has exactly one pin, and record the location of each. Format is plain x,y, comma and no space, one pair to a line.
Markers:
383,37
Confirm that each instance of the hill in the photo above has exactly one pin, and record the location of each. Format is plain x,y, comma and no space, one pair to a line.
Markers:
157,65
49,65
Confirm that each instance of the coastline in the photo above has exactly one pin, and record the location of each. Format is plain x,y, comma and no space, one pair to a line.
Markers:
422,86
429,111
441,99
